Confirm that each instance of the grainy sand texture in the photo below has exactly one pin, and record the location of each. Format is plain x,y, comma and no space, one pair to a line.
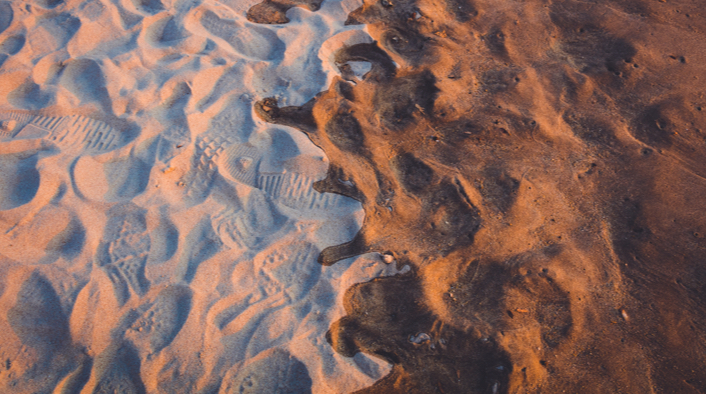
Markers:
336,196
155,236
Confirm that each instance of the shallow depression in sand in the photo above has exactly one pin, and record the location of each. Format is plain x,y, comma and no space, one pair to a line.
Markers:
19,180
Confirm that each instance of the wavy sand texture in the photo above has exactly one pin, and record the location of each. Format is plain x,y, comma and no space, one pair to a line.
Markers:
540,166
155,236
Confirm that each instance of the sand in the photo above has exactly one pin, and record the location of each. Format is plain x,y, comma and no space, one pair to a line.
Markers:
154,235
540,166
408,196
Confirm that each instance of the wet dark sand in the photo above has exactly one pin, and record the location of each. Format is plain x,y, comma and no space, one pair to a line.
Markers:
540,166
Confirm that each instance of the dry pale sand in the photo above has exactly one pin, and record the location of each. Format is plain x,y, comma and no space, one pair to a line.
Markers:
154,235
529,176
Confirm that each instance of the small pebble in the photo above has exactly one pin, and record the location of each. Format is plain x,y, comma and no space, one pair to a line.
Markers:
8,125
419,338
624,314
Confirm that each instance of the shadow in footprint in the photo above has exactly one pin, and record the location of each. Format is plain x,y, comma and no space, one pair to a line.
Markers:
37,317
117,370
123,251
200,245
275,371
254,42
6,16
19,180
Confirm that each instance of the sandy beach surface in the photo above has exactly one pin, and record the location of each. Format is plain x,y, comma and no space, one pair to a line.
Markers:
336,196
154,235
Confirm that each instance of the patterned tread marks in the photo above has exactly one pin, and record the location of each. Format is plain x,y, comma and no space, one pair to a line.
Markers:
284,273
277,266
11,122
199,180
123,251
157,327
250,227
75,134
241,163
296,191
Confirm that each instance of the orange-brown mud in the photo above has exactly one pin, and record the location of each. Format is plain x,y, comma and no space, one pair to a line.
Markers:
541,167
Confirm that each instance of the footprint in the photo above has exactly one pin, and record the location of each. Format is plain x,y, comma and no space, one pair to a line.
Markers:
200,245
12,122
164,240
19,179
254,42
6,15
29,96
53,32
296,191
225,225
127,176
37,317
274,371
290,267
239,163
12,44
69,242
110,179
161,323
123,251
165,32
171,142
199,180
290,186
250,227
43,236
117,370
85,80
72,134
